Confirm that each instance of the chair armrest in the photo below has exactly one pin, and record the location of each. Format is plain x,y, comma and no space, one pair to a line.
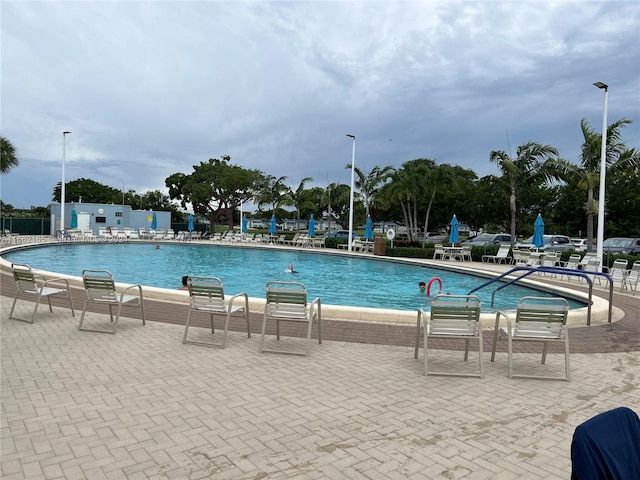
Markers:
54,280
240,295
315,303
131,287
496,328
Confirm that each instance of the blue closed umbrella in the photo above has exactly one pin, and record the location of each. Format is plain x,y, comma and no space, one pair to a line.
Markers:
312,227
154,222
453,233
190,227
368,229
538,232
272,226
74,219
243,227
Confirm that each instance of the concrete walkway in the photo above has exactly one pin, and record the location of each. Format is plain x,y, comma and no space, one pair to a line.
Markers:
141,405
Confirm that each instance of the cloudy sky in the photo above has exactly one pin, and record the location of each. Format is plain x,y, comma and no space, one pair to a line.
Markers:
149,89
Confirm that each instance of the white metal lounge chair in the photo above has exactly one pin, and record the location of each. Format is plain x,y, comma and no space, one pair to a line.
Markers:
287,302
572,264
538,319
31,285
502,256
100,288
206,294
452,317
438,252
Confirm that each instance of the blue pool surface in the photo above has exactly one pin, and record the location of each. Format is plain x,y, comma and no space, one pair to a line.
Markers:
336,279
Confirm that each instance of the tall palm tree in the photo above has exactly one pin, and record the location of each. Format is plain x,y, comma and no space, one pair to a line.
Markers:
530,165
296,197
8,158
271,191
618,157
368,184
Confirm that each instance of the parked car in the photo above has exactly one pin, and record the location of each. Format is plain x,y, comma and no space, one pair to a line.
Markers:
626,245
341,234
488,239
551,242
580,244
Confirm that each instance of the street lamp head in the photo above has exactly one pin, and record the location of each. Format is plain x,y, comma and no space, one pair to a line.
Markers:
351,136
601,85
64,133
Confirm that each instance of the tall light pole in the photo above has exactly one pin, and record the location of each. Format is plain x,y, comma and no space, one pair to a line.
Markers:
353,166
64,153
603,172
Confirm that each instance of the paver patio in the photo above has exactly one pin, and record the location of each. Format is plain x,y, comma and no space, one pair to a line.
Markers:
141,405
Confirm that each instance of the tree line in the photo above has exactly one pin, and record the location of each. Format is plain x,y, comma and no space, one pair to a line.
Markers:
421,194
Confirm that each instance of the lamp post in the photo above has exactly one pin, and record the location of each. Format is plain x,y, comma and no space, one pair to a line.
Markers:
353,166
64,153
603,172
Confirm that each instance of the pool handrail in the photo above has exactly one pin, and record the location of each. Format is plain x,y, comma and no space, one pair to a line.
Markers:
545,269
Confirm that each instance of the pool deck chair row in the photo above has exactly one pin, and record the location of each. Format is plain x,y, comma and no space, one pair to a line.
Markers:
287,302
538,319
28,284
206,294
100,288
452,317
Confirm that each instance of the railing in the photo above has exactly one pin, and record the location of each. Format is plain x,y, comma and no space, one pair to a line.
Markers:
558,270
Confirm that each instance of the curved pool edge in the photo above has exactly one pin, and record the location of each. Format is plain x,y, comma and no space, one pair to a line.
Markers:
576,317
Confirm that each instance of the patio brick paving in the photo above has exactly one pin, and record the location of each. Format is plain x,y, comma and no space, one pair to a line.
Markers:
141,405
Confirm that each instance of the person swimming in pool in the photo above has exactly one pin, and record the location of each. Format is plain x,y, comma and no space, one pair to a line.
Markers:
290,269
423,287
185,283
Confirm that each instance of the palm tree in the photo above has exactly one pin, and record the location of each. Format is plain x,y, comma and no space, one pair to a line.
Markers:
8,158
297,198
618,157
529,166
369,184
271,191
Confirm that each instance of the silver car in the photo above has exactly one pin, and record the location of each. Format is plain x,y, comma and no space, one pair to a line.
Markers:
560,243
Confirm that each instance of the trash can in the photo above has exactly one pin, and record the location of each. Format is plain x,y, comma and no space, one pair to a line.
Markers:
379,246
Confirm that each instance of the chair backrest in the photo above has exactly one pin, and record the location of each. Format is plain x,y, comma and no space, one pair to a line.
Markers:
620,264
593,264
503,251
574,261
99,285
206,291
24,277
587,256
286,299
546,316
455,314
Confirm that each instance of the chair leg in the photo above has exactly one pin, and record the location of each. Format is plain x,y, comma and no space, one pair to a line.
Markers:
310,325
226,329
212,327
466,350
481,352
415,353
186,327
567,364
264,329
509,355
84,309
426,351
319,328
544,353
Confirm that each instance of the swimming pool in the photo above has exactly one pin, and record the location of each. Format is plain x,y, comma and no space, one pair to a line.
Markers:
336,279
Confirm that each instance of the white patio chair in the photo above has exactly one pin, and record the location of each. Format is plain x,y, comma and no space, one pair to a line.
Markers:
633,277
287,302
206,294
451,317
538,319
100,288
28,284
618,272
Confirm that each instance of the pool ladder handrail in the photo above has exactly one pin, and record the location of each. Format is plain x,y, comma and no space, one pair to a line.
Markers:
545,269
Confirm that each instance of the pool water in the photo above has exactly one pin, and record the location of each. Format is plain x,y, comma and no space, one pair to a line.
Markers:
336,279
